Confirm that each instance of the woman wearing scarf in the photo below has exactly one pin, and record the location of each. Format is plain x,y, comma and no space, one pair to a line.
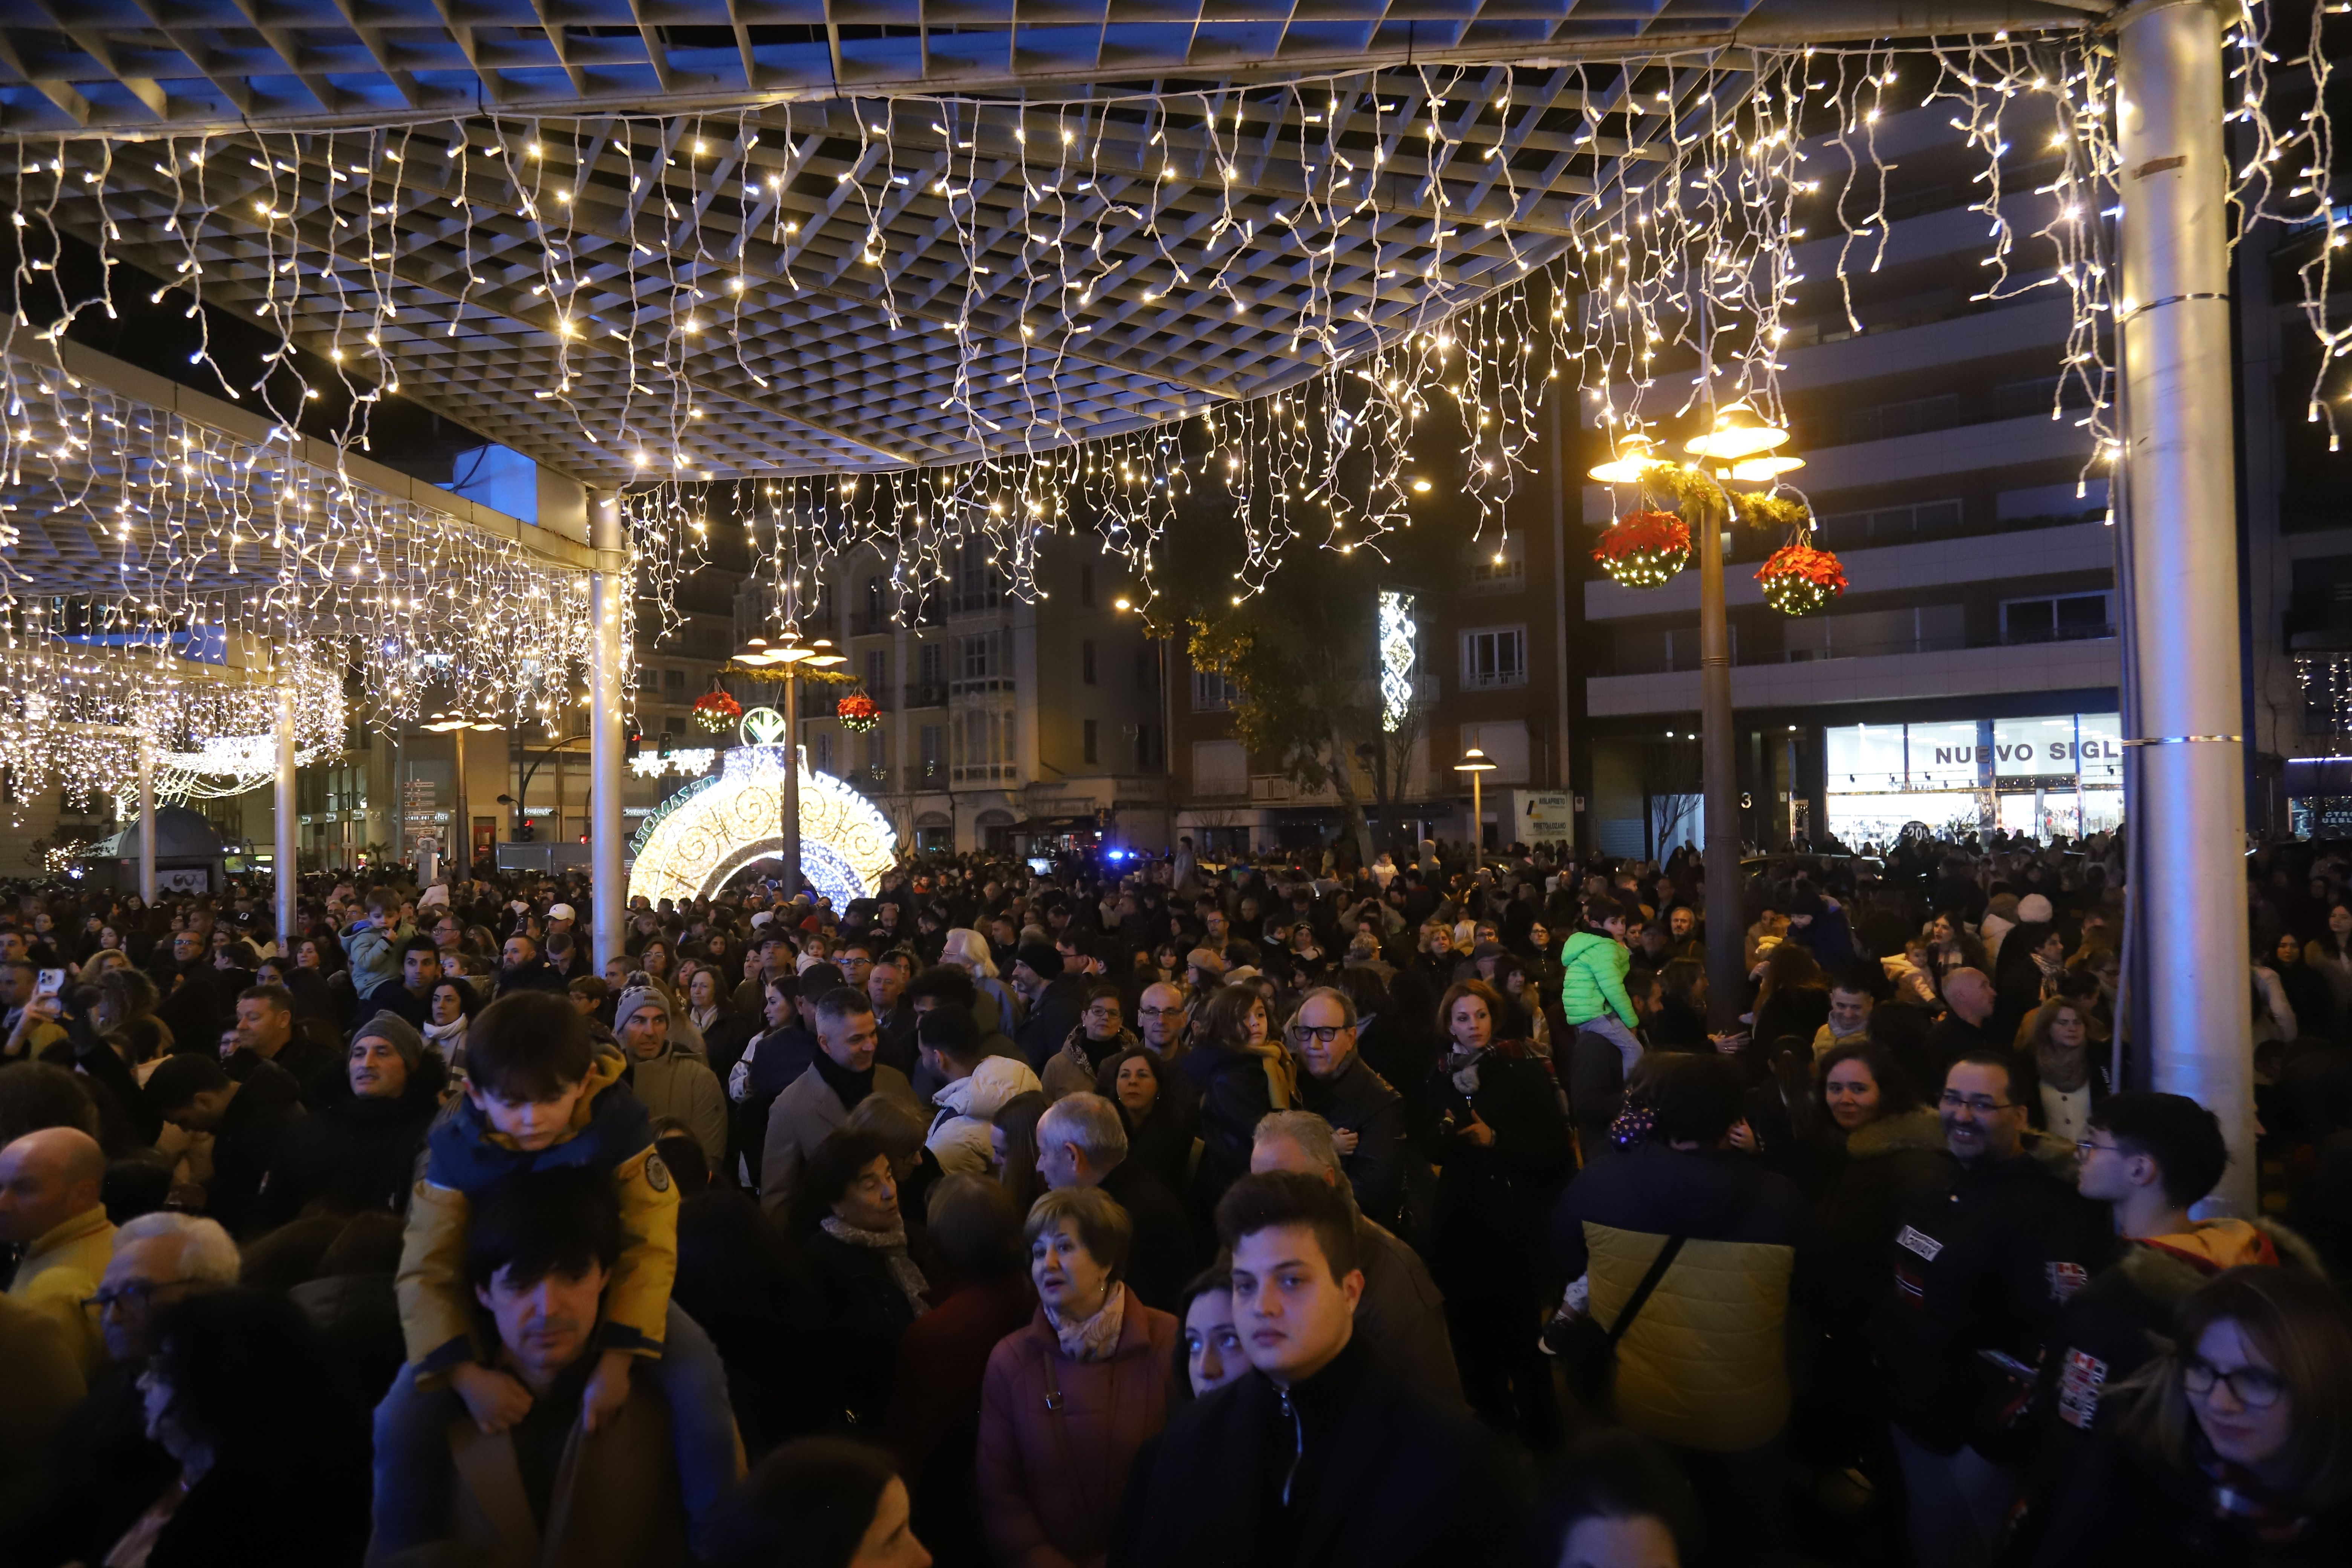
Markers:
2067,1076
1242,1075
1070,1398
1490,1122
448,1009
855,1242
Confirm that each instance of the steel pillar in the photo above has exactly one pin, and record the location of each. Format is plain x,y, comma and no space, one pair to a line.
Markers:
609,591
2180,612
147,823
287,866
1719,769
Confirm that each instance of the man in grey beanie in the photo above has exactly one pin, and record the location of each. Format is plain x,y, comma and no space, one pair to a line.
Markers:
357,1149
673,1082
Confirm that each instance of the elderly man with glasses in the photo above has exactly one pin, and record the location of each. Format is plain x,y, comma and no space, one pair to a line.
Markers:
107,1467
1367,1116
1983,1268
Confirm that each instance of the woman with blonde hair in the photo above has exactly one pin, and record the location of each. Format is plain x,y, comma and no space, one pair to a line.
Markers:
995,1009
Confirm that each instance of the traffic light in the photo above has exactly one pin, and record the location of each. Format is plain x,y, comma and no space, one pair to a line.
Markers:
635,743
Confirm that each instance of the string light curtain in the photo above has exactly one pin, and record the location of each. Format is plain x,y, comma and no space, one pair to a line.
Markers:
165,528
946,325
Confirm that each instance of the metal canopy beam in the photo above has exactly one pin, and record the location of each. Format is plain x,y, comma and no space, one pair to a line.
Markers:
142,65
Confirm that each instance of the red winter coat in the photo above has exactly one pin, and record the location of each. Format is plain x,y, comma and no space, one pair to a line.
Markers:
1051,1479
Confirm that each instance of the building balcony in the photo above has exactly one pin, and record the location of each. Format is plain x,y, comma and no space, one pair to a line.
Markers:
2034,552
1912,675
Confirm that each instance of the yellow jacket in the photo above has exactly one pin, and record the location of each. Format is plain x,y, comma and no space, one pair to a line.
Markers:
1704,1364
465,1155
60,1271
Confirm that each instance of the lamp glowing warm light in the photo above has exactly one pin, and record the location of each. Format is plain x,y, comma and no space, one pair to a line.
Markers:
1762,470
1634,457
1739,432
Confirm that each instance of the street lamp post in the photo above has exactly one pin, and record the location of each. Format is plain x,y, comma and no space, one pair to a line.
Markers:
1477,765
460,847
1739,446
782,662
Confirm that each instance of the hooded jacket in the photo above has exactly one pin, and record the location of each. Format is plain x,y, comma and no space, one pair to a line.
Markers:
610,1134
1073,1068
1594,965
676,1082
2113,1327
960,1136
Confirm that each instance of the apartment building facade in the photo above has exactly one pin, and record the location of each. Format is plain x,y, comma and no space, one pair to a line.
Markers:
1020,726
1486,657
1969,676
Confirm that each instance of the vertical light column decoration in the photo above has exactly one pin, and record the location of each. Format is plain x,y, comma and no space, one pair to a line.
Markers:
609,598
287,866
1400,648
146,820
2180,612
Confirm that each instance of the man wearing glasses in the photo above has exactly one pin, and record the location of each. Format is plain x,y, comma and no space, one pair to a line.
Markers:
1367,1116
107,1467
2150,1158
1982,1271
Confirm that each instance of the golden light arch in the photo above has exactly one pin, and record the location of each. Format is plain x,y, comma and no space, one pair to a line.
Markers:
708,832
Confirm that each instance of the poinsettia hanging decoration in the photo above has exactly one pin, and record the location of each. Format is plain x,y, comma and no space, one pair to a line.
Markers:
1799,580
1645,548
857,712
715,710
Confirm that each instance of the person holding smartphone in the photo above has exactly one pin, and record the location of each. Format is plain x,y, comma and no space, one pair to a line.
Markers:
30,996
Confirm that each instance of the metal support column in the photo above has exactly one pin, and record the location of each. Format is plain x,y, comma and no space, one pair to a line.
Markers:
2180,616
608,603
1719,762
287,864
789,827
147,822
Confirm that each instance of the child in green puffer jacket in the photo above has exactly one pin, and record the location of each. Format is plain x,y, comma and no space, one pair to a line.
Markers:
1592,982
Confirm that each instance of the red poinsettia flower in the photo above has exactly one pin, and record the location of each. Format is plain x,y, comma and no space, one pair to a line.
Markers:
1645,548
1799,579
715,710
857,712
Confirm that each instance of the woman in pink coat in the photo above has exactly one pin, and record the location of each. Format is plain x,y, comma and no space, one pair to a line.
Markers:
1070,1399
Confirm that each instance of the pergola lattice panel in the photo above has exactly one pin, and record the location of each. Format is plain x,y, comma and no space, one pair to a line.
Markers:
756,281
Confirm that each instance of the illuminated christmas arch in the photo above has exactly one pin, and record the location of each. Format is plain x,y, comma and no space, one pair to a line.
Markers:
714,828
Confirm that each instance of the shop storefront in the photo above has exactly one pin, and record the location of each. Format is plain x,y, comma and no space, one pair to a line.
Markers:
2046,776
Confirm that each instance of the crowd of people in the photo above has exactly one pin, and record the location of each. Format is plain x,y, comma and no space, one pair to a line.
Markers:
1162,1212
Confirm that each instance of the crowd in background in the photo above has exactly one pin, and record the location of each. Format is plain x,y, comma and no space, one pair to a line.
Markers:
1159,1210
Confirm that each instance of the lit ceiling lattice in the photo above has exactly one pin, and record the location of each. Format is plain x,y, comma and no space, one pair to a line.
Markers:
712,829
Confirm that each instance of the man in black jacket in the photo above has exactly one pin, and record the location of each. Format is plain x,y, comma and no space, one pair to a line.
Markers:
1313,1456
1983,1269
1054,999
247,1118
1081,1142
520,968
1367,1116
